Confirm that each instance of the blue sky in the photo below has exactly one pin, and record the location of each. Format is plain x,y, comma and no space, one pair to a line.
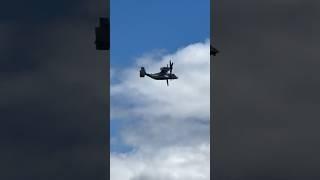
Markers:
139,26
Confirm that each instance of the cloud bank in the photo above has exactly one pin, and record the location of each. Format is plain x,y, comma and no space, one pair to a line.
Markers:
167,127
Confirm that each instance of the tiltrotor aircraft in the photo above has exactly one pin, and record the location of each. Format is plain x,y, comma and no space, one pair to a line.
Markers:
162,75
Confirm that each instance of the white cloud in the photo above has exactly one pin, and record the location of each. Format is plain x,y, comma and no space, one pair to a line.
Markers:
167,126
169,163
186,97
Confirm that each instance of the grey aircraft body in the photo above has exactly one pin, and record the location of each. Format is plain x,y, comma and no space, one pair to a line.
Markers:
164,74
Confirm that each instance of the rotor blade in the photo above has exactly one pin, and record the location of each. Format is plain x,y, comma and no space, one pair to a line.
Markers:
167,82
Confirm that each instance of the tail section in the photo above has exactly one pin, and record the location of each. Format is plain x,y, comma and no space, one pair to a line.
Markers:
142,72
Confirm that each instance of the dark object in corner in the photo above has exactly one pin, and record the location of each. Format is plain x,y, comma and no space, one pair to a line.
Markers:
103,34
213,51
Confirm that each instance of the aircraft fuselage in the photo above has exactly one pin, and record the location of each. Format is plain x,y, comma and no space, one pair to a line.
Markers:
160,76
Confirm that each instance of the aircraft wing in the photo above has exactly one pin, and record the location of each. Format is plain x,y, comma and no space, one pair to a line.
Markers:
164,71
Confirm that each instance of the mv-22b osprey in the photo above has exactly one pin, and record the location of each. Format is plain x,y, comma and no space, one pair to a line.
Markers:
162,75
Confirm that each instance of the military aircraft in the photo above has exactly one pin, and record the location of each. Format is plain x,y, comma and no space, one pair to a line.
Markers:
103,34
213,51
162,75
